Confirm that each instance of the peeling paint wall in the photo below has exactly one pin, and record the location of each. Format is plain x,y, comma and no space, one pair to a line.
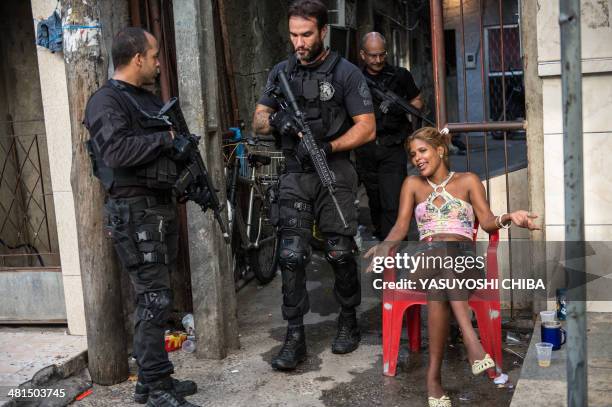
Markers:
259,38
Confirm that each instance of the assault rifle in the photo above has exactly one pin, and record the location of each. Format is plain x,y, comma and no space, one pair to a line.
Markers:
289,105
382,93
194,182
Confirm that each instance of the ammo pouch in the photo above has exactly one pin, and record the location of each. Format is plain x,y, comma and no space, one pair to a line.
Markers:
159,174
136,243
118,228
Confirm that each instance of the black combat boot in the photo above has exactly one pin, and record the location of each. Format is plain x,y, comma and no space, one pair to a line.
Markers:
348,336
163,394
293,350
182,387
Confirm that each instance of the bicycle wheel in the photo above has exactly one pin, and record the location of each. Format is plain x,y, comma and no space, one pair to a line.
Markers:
263,259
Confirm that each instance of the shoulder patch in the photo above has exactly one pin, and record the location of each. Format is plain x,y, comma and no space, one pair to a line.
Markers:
364,92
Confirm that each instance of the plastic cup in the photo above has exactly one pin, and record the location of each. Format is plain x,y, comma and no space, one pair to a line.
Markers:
544,350
548,316
189,345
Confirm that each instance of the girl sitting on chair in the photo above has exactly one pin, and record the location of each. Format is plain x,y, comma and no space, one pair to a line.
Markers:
445,205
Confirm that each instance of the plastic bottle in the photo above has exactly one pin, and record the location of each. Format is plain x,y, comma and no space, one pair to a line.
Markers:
188,324
189,345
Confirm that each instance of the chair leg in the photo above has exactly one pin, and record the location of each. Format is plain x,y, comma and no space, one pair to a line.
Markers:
496,334
414,327
392,330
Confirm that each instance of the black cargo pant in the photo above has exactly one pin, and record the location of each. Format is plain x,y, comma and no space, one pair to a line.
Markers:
144,231
302,200
382,169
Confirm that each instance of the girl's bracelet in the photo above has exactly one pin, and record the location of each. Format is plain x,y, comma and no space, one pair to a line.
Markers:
499,224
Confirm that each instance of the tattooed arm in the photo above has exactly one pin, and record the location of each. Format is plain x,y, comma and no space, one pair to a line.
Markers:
261,117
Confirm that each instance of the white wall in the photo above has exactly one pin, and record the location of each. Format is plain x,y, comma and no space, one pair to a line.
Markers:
597,127
57,125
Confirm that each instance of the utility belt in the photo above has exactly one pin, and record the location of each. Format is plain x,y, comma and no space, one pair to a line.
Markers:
162,195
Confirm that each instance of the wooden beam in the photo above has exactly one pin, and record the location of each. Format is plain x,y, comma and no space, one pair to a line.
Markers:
86,71
214,302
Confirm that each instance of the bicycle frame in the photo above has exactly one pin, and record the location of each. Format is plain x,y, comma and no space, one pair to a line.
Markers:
255,190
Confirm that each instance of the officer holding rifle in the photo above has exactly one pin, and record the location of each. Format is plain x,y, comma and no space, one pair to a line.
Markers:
320,106
382,164
145,165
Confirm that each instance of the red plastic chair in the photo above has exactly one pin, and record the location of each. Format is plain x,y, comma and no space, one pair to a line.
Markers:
484,303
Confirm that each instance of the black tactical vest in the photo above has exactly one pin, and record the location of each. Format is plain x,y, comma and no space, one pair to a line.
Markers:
313,90
159,174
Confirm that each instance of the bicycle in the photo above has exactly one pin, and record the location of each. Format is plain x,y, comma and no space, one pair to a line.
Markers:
254,237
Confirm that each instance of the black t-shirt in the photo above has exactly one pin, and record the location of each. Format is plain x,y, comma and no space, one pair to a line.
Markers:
403,85
350,88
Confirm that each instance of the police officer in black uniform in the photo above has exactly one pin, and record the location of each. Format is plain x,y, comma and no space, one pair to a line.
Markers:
336,100
382,164
134,157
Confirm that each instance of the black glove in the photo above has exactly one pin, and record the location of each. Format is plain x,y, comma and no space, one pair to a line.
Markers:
200,196
283,123
182,147
302,153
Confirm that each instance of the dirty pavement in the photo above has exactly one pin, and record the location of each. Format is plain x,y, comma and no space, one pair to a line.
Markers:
245,378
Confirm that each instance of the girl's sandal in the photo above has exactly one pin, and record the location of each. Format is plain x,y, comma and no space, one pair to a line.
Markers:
480,366
443,401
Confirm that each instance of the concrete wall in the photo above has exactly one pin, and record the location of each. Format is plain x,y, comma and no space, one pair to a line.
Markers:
57,124
513,258
259,38
597,128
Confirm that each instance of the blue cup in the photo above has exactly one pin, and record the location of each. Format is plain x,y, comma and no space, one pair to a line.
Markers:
552,332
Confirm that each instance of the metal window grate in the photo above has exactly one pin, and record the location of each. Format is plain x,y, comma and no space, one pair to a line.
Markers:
26,238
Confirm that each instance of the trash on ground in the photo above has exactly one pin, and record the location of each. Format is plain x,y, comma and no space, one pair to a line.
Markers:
514,353
174,340
189,324
84,394
512,338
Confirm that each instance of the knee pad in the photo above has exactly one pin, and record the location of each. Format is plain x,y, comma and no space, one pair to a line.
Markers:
339,250
155,306
294,253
